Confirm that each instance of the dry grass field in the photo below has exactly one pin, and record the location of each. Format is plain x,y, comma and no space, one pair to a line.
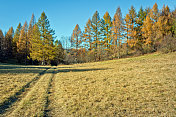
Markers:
140,86
13,81
33,104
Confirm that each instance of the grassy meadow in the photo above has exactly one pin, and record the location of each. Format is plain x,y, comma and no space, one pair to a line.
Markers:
143,86
139,86
13,81
33,104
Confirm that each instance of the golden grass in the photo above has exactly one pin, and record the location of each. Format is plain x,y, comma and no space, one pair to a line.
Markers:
33,104
14,77
140,86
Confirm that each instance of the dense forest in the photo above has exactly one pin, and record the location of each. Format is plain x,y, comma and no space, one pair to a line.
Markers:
146,31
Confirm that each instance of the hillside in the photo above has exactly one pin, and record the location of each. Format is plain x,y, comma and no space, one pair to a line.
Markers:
143,86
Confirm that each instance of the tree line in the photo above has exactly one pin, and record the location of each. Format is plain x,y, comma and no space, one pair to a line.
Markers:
145,31
31,44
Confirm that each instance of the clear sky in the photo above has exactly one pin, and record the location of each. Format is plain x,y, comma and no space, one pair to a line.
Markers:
65,14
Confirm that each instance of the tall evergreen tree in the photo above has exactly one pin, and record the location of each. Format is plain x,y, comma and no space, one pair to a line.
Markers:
47,37
16,39
8,42
132,14
139,24
164,22
105,39
36,52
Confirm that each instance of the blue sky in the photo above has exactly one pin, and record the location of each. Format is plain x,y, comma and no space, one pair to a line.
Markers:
65,14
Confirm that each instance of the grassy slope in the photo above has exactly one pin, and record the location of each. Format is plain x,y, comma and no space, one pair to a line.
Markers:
143,86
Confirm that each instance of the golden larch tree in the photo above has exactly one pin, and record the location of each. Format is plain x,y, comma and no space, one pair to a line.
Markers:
117,30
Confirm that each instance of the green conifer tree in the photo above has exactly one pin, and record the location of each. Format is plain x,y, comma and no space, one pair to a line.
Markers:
36,52
47,37
133,39
139,24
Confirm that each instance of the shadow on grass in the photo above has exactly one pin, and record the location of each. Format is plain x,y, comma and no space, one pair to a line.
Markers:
13,98
21,69
30,69
81,70
41,70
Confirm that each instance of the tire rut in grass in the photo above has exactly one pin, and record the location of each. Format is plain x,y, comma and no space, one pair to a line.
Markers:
7,106
49,109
